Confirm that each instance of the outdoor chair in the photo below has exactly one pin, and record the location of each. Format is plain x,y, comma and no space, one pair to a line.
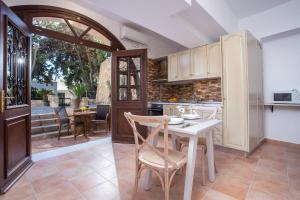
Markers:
65,121
102,117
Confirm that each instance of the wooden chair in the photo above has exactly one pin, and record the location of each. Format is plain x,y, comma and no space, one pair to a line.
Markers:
65,121
182,142
102,116
162,161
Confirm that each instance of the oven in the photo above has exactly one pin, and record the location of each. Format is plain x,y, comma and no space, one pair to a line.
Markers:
155,109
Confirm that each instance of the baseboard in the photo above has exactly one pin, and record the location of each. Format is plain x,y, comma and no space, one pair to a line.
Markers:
230,150
289,144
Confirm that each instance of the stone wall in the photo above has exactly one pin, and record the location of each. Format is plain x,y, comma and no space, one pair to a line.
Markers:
205,90
103,91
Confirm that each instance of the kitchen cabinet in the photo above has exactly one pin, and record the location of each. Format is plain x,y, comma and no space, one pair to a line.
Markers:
173,67
214,65
198,69
198,63
242,85
184,65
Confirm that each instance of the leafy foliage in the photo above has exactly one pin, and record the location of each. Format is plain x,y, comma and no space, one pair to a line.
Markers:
53,59
40,94
79,90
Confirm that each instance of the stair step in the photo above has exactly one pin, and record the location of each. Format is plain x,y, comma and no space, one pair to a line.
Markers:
41,115
45,126
43,120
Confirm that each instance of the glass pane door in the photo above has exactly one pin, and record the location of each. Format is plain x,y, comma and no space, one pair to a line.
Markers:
17,48
129,82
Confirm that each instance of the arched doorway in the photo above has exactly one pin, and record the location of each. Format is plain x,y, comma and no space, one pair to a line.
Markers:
78,29
129,65
81,28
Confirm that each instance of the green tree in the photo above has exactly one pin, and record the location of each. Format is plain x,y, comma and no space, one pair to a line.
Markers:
54,59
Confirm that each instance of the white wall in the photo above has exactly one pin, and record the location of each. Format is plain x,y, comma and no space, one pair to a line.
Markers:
282,72
157,46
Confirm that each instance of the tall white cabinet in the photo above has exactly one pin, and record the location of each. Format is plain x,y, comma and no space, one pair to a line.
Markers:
242,91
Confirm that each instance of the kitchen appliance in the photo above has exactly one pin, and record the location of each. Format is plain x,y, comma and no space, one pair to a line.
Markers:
155,109
287,97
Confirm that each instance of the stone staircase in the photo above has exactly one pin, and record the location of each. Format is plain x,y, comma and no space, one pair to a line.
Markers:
44,126
41,123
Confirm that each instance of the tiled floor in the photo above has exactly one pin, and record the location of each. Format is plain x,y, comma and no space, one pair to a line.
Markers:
107,172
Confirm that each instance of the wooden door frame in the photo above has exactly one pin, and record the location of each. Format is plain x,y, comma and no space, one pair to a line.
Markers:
9,177
114,82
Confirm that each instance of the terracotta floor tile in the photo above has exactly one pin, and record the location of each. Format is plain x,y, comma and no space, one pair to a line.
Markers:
75,172
19,193
294,187
35,173
260,195
107,172
278,188
47,183
294,172
271,166
215,195
103,191
68,164
63,191
85,182
232,186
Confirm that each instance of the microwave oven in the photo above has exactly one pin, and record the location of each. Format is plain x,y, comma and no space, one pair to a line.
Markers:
292,97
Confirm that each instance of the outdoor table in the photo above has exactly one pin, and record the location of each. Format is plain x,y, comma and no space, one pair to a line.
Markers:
84,116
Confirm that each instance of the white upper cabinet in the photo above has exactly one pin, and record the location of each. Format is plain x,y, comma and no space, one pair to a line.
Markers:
173,67
184,65
198,63
214,66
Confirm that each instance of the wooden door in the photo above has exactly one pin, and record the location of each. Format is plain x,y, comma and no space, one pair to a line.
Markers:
184,65
173,67
214,60
234,91
129,91
199,62
15,130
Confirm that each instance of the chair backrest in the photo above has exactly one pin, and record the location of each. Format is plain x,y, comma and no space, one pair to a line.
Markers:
206,112
161,125
102,111
62,114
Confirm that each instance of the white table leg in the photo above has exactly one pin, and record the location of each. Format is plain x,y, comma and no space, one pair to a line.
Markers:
148,175
190,168
174,137
210,155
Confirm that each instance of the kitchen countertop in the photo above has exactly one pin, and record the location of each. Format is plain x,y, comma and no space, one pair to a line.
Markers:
204,103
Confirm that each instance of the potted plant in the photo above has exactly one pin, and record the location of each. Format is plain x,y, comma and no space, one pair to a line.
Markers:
78,91
44,92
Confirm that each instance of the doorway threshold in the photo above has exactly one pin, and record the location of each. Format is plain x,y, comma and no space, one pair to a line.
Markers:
64,150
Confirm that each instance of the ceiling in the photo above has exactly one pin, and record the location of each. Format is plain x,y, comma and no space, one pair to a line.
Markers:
189,23
246,8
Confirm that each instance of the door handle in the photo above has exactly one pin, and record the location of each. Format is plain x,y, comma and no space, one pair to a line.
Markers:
2,101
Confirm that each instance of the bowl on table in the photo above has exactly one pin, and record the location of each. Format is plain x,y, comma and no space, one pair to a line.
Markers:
190,116
175,120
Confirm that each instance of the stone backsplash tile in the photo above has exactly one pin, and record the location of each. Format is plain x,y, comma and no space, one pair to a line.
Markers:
205,90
